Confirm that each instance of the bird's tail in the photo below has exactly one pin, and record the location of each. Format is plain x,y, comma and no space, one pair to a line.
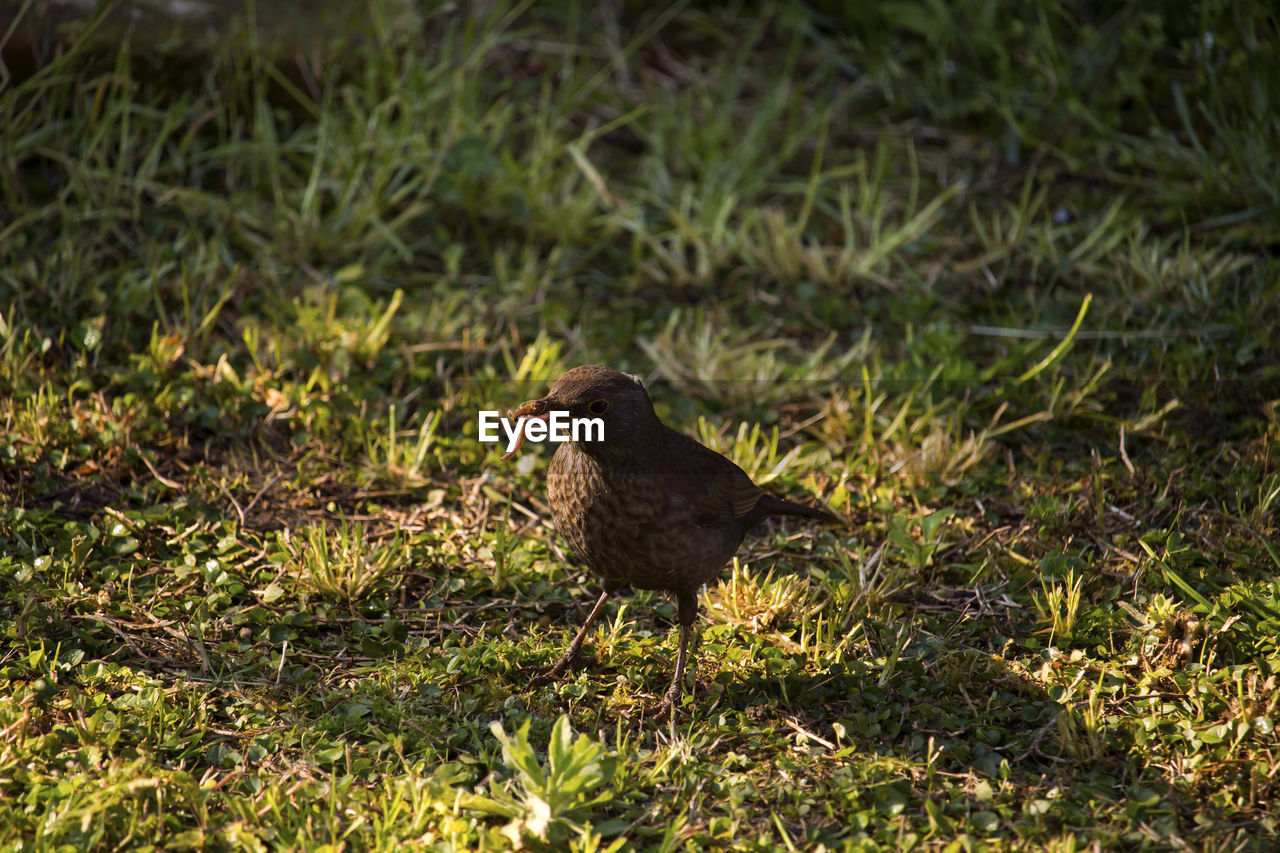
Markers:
770,505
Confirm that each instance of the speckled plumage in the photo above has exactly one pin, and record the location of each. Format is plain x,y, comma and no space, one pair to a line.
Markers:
647,507
672,524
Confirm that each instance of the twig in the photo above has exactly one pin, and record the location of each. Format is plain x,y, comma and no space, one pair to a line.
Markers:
173,484
234,503
284,649
1124,454
261,492
800,730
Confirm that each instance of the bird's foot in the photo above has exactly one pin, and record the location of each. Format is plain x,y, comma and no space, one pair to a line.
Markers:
547,674
661,712
664,710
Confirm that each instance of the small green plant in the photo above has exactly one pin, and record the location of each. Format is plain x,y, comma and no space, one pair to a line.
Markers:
545,800
391,459
918,550
342,564
541,361
759,602
1171,631
1082,728
865,577
1058,604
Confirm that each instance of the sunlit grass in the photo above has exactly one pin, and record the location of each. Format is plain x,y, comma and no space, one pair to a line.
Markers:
998,295
343,564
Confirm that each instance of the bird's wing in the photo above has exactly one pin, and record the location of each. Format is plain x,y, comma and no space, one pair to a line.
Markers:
717,491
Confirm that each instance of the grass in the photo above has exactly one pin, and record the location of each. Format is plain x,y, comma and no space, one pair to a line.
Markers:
997,284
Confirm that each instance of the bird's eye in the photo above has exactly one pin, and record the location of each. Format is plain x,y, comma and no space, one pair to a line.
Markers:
598,407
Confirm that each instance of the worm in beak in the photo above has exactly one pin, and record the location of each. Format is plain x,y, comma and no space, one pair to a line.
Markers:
532,409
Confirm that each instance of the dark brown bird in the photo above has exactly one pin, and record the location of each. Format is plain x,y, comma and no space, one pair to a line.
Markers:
647,506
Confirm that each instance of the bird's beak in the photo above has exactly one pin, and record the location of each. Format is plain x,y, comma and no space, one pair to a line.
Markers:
532,409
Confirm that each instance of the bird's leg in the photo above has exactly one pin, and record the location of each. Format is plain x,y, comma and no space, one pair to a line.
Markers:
568,660
688,603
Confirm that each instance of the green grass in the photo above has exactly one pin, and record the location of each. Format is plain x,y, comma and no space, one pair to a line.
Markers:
996,283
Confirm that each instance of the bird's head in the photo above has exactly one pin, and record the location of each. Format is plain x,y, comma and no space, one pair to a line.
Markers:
594,391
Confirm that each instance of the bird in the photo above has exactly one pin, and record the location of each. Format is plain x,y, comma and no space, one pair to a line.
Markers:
643,505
